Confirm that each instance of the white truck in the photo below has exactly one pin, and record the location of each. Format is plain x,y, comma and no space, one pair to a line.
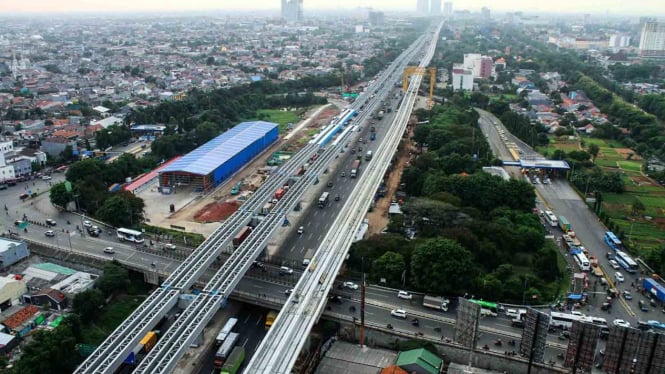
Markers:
308,257
436,302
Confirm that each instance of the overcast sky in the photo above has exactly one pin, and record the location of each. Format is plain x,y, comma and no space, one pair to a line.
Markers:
614,7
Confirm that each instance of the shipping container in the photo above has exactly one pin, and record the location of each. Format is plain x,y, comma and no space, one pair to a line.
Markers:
148,341
241,236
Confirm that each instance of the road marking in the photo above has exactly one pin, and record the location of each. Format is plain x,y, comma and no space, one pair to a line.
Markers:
246,319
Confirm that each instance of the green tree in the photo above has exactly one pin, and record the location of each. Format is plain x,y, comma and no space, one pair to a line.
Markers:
115,279
59,195
49,352
87,303
442,266
390,266
122,209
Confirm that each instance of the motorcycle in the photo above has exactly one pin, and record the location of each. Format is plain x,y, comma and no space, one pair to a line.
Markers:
512,342
486,347
389,326
352,309
415,322
498,342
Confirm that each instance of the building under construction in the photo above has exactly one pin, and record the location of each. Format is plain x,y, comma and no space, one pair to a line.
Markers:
211,164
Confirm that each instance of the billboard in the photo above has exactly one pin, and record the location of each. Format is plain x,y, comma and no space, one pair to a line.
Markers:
466,328
534,335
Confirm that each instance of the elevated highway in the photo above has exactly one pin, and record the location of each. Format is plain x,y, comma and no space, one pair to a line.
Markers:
110,354
281,346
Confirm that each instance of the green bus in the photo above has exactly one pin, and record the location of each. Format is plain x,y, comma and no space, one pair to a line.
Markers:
493,307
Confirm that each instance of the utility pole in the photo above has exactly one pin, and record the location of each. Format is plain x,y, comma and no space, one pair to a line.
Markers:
362,306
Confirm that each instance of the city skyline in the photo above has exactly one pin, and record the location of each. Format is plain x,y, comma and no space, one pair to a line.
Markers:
615,7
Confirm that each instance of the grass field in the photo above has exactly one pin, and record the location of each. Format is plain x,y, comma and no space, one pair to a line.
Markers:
645,230
280,117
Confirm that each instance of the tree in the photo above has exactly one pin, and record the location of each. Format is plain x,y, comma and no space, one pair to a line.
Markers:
87,303
115,279
390,266
49,352
59,195
122,209
637,207
442,266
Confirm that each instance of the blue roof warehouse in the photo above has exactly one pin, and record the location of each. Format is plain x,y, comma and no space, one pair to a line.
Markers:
209,165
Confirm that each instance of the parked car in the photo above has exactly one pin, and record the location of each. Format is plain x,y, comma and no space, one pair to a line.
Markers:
170,246
404,295
399,313
87,224
284,270
49,233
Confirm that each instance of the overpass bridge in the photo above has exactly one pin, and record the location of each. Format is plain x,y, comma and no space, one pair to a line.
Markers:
110,354
281,346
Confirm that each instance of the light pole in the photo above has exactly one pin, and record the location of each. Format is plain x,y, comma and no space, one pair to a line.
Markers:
524,292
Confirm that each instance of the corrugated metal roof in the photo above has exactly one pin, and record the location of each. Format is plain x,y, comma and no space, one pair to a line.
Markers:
206,158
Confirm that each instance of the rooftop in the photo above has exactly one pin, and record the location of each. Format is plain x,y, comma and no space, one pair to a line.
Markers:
7,244
206,158
351,359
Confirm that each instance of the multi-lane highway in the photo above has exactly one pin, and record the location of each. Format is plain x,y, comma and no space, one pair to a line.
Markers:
560,197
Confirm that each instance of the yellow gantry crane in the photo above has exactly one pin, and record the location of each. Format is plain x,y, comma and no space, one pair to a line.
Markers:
422,71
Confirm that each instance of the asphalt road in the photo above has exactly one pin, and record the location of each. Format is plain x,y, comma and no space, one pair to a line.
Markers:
316,221
563,200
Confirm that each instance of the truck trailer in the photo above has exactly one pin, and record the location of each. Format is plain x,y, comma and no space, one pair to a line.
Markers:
308,257
270,319
564,224
355,168
436,302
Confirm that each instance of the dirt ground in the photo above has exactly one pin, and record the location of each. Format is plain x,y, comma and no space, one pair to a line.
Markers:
221,204
215,212
378,217
643,181
624,152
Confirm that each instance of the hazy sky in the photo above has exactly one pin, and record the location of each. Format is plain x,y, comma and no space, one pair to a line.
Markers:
614,7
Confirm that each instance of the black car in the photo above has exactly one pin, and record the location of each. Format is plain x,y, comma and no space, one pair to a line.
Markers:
50,222
24,196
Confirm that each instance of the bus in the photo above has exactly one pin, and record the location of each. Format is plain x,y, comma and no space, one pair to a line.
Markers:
626,261
581,260
565,320
613,241
323,200
130,235
368,156
493,308
225,349
228,328
551,219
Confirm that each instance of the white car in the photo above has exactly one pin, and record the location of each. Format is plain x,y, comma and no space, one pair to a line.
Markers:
399,313
614,264
350,285
619,277
620,322
87,224
49,233
301,230
404,295
170,246
46,178
109,250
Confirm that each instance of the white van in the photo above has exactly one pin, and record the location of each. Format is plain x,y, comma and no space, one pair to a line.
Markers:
487,313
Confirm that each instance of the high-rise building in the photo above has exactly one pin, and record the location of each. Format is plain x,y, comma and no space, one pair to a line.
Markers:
485,13
376,18
448,9
435,7
652,41
292,10
422,7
